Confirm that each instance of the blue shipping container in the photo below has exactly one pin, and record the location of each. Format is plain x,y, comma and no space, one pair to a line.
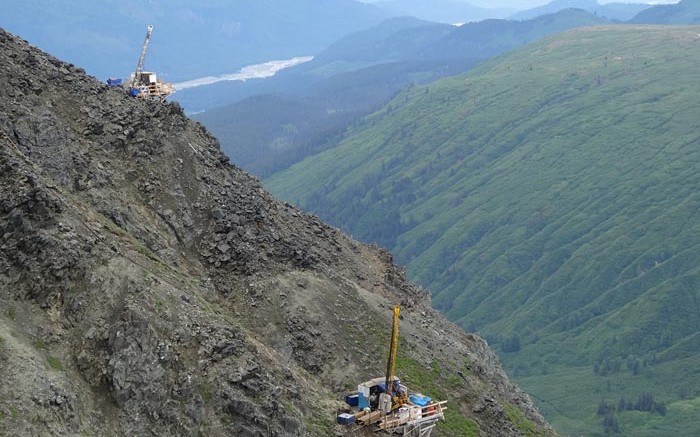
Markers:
351,400
346,419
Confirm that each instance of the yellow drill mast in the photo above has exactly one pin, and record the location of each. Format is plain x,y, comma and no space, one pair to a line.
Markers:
397,397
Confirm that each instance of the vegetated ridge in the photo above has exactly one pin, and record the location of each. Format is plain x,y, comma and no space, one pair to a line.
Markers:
683,12
147,287
549,201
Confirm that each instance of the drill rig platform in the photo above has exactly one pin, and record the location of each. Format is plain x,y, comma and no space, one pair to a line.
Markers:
385,404
145,84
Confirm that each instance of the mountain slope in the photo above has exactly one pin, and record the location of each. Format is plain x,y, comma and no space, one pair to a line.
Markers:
147,287
684,12
190,40
489,38
270,132
549,201
395,39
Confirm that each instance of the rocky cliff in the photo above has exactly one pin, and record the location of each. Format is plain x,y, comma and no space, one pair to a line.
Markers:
147,287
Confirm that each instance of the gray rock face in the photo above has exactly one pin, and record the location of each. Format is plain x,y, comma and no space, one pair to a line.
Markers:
147,287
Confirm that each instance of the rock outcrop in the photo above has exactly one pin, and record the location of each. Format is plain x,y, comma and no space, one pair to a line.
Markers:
147,287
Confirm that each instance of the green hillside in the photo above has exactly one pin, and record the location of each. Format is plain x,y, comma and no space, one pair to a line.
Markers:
550,200
684,12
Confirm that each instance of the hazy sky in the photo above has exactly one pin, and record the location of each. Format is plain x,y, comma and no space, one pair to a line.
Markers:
524,4
534,3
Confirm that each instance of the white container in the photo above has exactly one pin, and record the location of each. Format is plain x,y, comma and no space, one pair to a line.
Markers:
385,403
364,390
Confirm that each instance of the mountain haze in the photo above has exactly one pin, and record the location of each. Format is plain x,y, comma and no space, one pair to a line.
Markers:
147,287
549,200
190,39
684,12
489,38
265,134
392,40
443,11
611,11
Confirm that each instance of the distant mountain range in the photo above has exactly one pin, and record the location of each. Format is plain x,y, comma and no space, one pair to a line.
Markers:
443,11
267,134
684,12
395,39
549,200
611,11
191,39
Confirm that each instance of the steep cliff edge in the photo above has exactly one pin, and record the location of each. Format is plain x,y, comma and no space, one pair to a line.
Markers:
147,287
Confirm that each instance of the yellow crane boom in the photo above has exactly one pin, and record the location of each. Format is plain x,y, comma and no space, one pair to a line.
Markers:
393,346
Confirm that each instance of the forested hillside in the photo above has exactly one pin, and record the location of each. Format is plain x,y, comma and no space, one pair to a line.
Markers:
549,199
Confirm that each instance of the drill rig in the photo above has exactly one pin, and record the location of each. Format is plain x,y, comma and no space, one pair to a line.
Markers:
146,83
384,403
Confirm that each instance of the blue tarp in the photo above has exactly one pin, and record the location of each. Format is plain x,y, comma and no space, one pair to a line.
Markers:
420,400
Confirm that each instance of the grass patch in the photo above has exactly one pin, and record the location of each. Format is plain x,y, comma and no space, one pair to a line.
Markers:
321,425
458,425
40,344
206,392
12,313
55,363
525,425
431,382
419,378
568,398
